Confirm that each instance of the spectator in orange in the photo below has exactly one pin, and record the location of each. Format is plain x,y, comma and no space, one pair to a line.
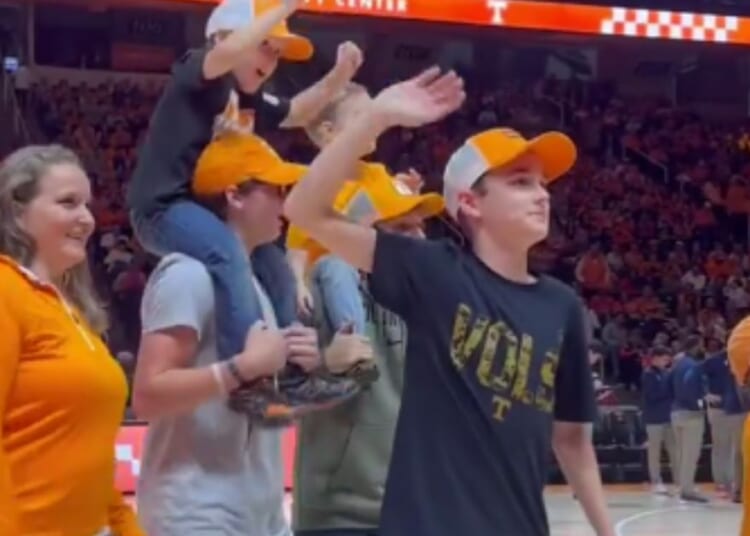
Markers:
634,260
592,270
717,266
736,196
622,230
62,395
604,304
652,266
704,217
646,306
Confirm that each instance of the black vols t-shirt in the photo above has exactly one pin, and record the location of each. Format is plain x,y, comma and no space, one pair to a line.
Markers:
490,365
182,126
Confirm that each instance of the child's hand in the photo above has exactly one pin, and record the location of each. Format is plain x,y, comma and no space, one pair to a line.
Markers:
302,344
265,352
412,179
305,303
346,350
349,59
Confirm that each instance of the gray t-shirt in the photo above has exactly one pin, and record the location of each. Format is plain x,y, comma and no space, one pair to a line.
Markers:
207,472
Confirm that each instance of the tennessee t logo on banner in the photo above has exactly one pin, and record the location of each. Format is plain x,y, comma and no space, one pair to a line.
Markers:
497,7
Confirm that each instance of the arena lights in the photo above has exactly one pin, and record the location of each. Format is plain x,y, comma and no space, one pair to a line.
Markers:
560,17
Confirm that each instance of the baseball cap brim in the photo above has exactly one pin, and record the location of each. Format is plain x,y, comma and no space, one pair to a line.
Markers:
294,47
498,149
428,204
556,151
283,174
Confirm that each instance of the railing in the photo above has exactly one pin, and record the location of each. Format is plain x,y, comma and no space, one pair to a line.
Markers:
559,110
12,111
647,165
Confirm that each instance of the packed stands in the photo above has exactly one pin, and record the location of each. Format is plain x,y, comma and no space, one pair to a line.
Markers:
648,174
651,226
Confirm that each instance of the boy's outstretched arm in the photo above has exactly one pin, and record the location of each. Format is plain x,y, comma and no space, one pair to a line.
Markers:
307,105
227,53
419,101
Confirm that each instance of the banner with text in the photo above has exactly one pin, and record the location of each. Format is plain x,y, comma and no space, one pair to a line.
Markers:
560,17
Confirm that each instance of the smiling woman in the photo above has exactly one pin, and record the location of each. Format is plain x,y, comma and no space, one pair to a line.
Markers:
62,395
44,196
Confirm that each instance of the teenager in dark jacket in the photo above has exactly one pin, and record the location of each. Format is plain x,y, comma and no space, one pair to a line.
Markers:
726,417
688,389
718,377
657,407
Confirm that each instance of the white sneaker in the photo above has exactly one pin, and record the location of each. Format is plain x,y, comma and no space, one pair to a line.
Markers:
659,489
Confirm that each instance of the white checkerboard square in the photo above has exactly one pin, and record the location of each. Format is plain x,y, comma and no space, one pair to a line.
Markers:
670,25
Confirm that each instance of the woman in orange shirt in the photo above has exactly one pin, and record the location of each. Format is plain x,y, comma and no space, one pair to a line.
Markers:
62,395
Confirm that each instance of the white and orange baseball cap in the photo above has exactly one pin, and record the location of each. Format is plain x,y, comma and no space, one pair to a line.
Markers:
377,196
232,15
498,147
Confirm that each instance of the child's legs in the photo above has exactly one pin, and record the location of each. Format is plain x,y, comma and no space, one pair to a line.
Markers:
186,227
272,269
338,283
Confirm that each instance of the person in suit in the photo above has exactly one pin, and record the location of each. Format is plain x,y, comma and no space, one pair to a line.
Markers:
688,389
657,405
725,417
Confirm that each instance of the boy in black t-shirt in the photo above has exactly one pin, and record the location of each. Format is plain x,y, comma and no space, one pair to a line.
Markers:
497,359
212,91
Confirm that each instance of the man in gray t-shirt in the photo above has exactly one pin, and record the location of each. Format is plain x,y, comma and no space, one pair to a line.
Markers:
209,471
206,470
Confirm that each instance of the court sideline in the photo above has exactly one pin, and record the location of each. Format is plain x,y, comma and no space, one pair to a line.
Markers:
638,513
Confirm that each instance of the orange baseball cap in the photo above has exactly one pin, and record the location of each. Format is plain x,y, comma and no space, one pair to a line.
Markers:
234,159
498,147
738,349
232,15
381,197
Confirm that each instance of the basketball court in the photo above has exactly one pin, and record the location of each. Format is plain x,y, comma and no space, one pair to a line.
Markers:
637,513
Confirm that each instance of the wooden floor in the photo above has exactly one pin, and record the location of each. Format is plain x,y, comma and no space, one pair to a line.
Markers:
638,513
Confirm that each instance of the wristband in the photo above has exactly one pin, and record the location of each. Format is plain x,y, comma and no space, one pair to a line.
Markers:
235,372
219,378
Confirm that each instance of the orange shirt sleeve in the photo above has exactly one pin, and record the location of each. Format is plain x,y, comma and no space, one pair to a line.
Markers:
10,351
122,519
738,349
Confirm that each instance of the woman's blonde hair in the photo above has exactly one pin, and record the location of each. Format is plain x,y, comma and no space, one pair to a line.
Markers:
20,174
